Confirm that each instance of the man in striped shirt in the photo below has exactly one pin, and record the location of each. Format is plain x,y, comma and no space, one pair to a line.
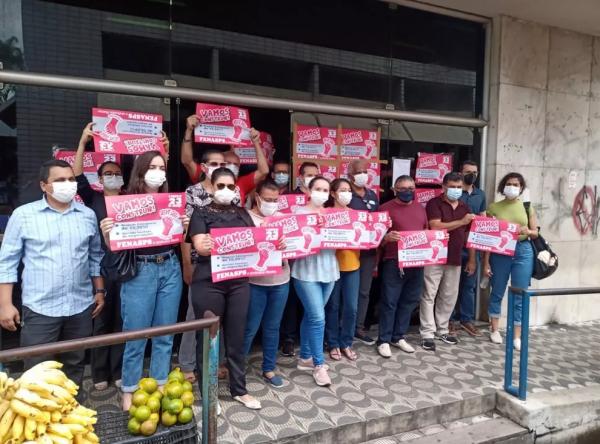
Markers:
59,243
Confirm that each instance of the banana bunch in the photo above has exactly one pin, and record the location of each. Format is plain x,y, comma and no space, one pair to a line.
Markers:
40,407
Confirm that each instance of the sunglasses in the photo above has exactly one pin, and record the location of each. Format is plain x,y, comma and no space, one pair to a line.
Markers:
221,186
216,164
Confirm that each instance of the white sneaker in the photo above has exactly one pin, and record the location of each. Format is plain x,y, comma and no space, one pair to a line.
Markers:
496,337
404,346
517,344
384,350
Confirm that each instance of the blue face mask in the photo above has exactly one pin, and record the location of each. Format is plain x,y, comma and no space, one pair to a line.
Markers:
454,193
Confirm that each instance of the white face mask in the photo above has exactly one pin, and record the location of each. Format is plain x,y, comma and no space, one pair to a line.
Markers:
307,181
64,192
113,182
224,196
344,197
210,170
233,168
512,192
282,179
360,180
268,208
319,197
155,178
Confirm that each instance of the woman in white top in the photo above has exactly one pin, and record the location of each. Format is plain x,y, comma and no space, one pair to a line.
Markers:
268,295
314,278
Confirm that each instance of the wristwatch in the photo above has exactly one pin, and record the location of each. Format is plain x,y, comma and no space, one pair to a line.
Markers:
100,290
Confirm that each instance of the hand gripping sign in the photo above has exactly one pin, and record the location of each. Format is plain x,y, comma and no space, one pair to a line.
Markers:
289,203
223,125
493,235
431,168
247,154
245,252
145,220
126,132
358,144
301,233
424,195
313,142
345,229
379,224
91,163
421,248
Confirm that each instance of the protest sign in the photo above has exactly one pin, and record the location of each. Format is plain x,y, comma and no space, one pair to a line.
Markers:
223,125
421,248
359,144
313,142
493,235
424,195
91,163
289,203
301,233
345,229
431,168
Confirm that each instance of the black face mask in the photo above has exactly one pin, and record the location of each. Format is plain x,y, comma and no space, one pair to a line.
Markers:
470,178
405,196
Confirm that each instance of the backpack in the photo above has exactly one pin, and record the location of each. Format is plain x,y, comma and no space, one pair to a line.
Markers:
545,261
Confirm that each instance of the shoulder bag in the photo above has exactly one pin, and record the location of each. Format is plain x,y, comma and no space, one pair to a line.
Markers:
545,261
120,266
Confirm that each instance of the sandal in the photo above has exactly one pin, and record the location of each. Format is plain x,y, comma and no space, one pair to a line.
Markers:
350,354
190,377
335,354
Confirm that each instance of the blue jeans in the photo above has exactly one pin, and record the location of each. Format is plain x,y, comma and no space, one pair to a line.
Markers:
400,295
519,268
345,293
314,297
266,306
148,300
465,306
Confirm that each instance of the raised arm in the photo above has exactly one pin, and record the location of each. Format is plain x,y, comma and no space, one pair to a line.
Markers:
187,153
262,164
86,135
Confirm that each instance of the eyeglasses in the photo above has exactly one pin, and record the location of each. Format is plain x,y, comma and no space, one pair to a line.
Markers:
401,190
216,164
111,174
222,186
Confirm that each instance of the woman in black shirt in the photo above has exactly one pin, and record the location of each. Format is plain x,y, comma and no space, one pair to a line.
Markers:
227,299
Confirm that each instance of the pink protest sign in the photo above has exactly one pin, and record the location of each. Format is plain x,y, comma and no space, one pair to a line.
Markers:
374,172
345,229
358,144
223,125
301,232
493,235
245,252
421,248
431,168
126,132
91,163
329,172
247,154
424,195
379,223
288,203
145,220
313,142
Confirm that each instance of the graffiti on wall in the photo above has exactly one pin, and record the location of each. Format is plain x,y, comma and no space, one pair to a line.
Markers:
585,210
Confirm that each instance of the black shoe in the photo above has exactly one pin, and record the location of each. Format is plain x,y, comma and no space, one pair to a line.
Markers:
288,349
428,344
365,339
448,339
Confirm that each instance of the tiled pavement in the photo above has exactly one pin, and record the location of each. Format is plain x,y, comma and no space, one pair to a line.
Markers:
373,387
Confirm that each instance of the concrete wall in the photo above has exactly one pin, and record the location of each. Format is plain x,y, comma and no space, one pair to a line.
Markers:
545,123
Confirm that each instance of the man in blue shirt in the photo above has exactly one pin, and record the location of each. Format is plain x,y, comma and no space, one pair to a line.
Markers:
465,306
366,200
59,243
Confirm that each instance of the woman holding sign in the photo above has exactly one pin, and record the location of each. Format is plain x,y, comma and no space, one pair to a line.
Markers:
345,293
314,279
518,267
228,299
151,298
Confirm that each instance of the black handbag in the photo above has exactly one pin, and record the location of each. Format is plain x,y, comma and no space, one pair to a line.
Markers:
545,261
120,266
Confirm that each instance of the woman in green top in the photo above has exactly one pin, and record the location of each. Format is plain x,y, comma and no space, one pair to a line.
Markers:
518,267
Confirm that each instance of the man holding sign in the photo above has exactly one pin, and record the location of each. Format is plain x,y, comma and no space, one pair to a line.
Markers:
445,212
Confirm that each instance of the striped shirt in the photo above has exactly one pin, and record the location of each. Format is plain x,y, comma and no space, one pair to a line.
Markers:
60,254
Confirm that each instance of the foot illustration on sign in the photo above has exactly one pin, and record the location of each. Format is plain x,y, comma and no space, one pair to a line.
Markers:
110,129
329,145
171,223
437,247
380,230
505,238
443,169
307,233
371,147
358,229
264,251
239,126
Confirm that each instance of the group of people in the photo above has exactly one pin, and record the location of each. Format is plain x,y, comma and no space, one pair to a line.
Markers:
62,244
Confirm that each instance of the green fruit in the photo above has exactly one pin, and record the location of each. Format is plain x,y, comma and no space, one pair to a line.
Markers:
175,406
164,403
132,410
149,385
140,398
133,426
157,394
174,390
148,428
155,417
153,404
187,386
142,413
176,375
168,420
187,398
185,416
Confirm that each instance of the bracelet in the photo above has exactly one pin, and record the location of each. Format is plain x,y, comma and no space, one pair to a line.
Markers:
100,290
187,140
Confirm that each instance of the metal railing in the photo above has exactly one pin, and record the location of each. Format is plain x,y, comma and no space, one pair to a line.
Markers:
520,391
210,361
